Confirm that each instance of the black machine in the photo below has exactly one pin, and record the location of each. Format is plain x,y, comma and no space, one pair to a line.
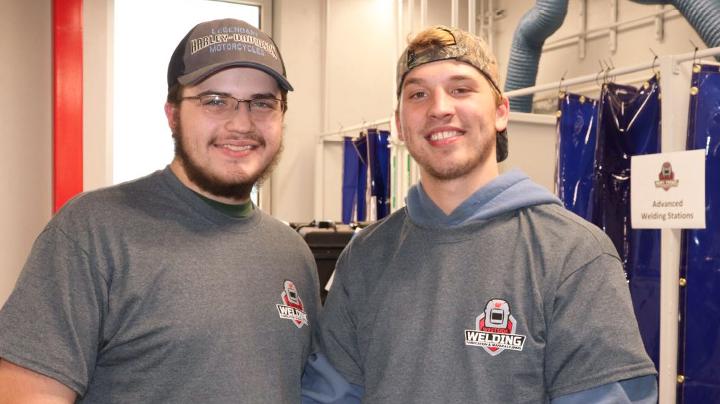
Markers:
326,240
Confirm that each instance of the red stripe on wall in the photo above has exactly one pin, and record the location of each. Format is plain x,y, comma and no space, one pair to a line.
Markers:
67,101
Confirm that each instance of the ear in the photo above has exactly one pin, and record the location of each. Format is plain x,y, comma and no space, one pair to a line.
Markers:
502,114
401,136
170,114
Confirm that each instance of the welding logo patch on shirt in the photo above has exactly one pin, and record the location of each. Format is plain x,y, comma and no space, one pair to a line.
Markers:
292,306
495,329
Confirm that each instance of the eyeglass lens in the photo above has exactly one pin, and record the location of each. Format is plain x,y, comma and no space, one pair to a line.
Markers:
224,106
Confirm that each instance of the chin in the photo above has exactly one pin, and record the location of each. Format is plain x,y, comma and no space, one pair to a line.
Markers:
234,174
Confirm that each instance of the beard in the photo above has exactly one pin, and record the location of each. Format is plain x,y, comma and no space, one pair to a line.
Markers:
459,170
205,180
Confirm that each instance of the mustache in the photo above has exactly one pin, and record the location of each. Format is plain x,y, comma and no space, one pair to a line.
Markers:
253,137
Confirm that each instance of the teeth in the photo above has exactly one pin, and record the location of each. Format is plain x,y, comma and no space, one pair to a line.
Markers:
236,148
443,135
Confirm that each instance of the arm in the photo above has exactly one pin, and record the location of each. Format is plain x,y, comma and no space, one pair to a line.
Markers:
638,390
51,322
593,341
322,384
20,385
332,373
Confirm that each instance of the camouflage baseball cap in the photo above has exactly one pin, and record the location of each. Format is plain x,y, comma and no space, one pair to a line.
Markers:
215,45
464,47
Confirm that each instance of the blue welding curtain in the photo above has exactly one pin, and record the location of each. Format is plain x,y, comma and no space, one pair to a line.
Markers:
379,170
699,350
628,125
576,131
354,179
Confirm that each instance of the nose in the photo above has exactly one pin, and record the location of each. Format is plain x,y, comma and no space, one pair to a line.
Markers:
240,119
441,105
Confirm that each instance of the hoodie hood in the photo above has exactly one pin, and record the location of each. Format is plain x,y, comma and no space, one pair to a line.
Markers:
508,192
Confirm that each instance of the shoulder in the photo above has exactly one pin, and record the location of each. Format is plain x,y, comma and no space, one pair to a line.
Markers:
111,197
278,227
380,231
114,206
565,227
565,241
372,245
279,233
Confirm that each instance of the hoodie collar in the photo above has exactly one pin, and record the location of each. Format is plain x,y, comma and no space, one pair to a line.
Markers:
507,192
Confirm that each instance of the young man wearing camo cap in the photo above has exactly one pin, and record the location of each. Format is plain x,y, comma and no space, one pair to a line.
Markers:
483,289
174,287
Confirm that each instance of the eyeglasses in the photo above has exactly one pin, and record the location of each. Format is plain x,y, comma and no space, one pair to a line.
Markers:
224,106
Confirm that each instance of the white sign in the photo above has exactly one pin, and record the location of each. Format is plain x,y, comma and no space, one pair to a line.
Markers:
667,190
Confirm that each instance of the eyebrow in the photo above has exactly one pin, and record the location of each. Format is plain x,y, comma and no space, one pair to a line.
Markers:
256,96
455,78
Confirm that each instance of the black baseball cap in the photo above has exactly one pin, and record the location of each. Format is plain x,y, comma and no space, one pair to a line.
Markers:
215,45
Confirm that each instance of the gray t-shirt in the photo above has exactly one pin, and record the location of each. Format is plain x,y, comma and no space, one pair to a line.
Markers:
142,292
522,307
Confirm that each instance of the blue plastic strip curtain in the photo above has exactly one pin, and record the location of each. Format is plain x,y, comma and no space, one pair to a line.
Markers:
354,179
628,125
576,128
361,148
699,339
380,170
351,165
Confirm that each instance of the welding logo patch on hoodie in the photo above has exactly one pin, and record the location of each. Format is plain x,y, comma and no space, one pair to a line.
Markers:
292,307
495,329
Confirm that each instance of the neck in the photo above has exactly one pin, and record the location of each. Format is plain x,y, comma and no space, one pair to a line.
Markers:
449,194
179,171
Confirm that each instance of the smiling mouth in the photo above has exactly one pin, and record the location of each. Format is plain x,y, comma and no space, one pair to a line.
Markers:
237,148
443,135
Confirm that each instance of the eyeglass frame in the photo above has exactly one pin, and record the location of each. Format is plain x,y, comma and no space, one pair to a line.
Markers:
283,103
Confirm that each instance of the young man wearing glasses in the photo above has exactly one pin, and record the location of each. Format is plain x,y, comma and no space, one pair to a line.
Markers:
174,287
484,289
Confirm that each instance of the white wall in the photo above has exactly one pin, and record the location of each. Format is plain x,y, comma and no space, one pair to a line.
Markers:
361,61
97,94
297,31
25,133
533,147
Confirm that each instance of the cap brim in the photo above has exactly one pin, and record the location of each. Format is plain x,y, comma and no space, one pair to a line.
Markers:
201,74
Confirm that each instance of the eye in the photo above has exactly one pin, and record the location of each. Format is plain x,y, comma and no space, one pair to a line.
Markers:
416,94
214,101
263,104
461,90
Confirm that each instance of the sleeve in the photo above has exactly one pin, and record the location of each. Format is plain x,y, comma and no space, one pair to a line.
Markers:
50,324
592,334
322,384
336,336
638,390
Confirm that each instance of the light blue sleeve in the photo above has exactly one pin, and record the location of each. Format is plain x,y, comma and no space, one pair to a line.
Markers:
323,384
638,390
